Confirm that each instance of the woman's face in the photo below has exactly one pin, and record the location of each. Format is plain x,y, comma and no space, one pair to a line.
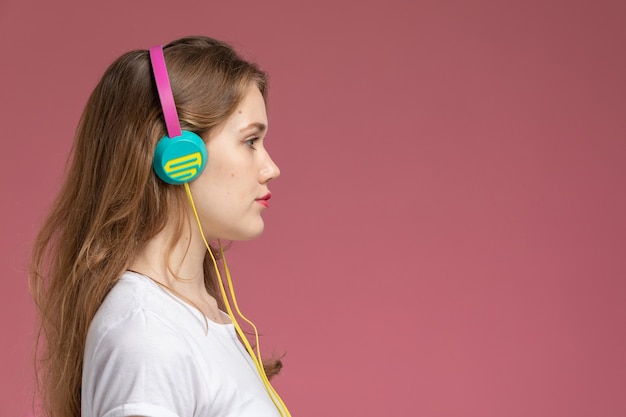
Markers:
232,191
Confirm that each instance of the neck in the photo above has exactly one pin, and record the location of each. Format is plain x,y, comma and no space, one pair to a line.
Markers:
178,265
169,259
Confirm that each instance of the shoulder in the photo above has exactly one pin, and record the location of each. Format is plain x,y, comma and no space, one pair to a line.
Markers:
136,353
138,335
137,318
137,303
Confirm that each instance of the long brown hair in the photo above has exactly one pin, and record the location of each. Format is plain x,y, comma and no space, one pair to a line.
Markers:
111,202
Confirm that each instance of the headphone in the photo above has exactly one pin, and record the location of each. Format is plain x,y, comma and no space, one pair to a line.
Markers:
181,155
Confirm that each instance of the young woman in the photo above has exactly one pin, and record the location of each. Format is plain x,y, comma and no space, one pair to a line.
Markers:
131,303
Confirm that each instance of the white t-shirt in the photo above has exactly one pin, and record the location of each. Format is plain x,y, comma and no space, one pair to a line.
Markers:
148,354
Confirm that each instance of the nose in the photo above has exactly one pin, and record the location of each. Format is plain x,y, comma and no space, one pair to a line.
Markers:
270,171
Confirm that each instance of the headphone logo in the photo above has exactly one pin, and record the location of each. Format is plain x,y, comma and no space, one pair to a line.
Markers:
181,155
185,167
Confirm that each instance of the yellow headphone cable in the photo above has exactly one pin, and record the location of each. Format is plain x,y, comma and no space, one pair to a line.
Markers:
256,357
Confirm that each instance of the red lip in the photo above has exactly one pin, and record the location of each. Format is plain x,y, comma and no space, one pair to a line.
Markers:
263,200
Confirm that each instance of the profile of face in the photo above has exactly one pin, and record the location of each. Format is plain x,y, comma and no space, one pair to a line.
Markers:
232,191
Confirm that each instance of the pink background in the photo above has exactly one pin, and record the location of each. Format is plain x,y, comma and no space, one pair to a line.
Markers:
448,237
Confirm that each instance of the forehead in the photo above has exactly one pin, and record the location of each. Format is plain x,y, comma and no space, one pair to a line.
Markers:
250,114
250,117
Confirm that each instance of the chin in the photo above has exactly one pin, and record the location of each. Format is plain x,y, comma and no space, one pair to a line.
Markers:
256,234
248,234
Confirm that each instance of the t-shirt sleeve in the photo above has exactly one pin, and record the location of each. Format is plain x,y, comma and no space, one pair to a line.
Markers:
139,366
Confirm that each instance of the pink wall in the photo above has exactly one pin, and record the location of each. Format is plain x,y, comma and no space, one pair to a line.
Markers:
448,236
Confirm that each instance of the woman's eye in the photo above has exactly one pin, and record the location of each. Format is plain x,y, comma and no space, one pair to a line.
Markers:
251,142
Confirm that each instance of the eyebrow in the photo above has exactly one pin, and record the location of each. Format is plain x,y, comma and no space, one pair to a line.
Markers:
256,127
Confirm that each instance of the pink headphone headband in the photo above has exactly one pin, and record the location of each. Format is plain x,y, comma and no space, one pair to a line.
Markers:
165,91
